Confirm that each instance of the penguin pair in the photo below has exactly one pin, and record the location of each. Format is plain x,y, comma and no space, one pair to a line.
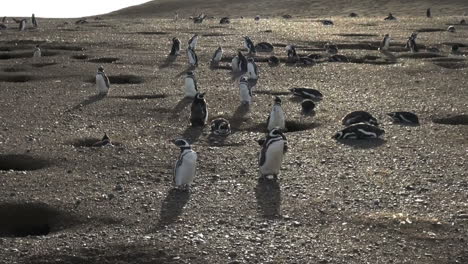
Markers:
102,82
239,63
360,125
185,166
411,43
274,147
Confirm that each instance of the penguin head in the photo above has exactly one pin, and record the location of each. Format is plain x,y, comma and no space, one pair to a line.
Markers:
175,39
182,143
276,132
189,73
244,78
250,59
338,135
100,69
105,137
200,96
277,100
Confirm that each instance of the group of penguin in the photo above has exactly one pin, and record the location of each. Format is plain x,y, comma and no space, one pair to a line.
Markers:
359,124
22,23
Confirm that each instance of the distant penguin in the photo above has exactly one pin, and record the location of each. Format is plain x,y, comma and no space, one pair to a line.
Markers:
192,43
22,25
191,87
257,18
327,22
451,29
248,43
463,22
192,56
274,147
105,141
291,52
175,50
331,48
428,13
252,70
385,44
359,131
225,20
34,21
245,91
199,19
37,52
186,165
411,43
199,111
455,49
352,14
273,61
359,117
4,19
242,62
404,117
307,93
390,17
277,118
220,127
217,56
264,47
102,82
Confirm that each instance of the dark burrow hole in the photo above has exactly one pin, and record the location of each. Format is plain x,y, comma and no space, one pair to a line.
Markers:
43,64
430,30
452,120
89,142
122,79
20,162
32,219
152,33
17,55
63,47
291,126
452,65
16,78
104,60
79,56
14,69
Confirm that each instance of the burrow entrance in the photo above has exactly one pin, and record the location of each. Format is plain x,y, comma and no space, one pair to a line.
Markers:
122,79
32,219
89,142
19,162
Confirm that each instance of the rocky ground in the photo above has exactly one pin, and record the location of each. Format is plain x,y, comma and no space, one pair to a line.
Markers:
401,199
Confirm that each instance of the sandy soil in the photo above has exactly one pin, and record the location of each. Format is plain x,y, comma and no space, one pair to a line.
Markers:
402,199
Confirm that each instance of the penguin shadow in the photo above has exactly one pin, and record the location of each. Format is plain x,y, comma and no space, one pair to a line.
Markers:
184,72
268,195
181,105
172,206
362,144
239,116
219,67
192,134
90,100
168,61
389,55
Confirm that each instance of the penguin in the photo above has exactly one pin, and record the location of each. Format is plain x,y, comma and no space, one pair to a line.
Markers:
264,47
199,111
37,52
4,19
411,43
186,165
225,20
192,56
252,69
192,43
22,25
235,64
217,56
245,91
451,29
390,17
359,131
248,43
273,61
175,50
404,117
463,22
359,117
34,21
242,62
220,127
428,13
455,49
352,14
276,119
331,48
292,55
257,18
274,147
327,22
191,87
199,19
307,93
105,141
385,44
102,82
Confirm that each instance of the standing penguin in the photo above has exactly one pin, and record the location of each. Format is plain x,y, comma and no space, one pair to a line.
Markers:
192,43
37,52
411,43
175,50
191,87
217,56
102,82
34,21
292,55
245,91
271,156
235,64
276,119
242,62
252,69
248,43
22,25
186,165
199,111
385,44
428,13
192,56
